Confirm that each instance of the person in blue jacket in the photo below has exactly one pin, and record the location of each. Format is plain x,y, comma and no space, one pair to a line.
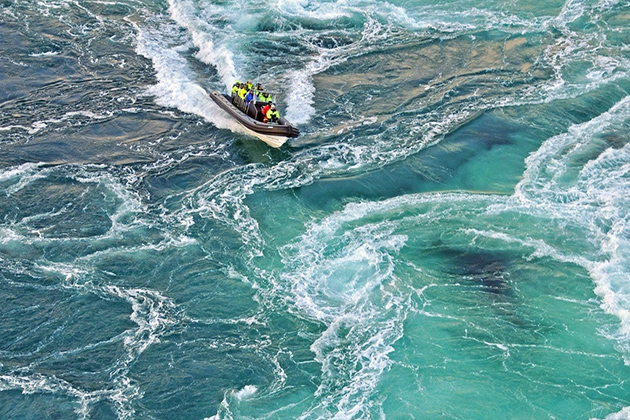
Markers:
249,97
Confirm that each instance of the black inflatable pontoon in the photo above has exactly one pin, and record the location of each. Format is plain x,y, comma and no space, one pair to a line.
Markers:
275,135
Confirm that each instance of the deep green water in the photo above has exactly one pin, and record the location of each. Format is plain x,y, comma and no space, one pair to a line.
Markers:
449,237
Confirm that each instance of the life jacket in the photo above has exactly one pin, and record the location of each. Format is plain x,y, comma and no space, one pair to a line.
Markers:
242,92
265,109
249,85
235,88
272,115
264,98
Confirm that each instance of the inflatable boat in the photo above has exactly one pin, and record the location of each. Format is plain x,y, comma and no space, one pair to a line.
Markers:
250,117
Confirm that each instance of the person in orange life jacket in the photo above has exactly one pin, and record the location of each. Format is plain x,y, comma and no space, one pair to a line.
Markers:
272,115
265,109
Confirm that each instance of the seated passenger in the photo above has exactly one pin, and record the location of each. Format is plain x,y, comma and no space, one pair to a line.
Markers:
235,87
264,97
242,92
266,108
272,115
249,97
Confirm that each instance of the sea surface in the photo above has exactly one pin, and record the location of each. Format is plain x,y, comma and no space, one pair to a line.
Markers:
448,238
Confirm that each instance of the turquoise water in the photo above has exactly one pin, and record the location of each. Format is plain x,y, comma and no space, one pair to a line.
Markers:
449,237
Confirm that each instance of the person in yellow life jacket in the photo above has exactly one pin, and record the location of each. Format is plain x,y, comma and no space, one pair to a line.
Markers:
235,87
249,85
272,115
242,92
264,97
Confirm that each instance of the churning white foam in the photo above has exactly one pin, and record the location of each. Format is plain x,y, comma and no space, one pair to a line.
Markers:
176,86
246,392
597,197
344,278
203,37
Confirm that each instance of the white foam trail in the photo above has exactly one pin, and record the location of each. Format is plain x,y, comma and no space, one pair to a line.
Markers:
202,33
176,87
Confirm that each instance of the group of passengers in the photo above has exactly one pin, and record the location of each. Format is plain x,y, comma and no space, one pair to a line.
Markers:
247,93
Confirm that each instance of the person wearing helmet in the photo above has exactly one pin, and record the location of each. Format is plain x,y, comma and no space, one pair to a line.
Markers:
272,115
